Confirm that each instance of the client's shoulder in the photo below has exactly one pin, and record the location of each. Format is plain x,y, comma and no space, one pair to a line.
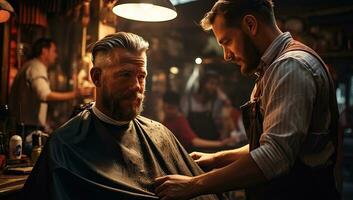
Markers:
151,125
155,130
144,121
73,127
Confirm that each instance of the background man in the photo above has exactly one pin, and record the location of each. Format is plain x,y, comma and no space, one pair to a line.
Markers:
31,91
179,125
203,108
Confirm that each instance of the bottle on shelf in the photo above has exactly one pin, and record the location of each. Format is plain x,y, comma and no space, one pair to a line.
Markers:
37,145
15,147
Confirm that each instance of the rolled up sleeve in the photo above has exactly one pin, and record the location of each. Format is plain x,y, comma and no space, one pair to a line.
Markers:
288,97
37,77
41,86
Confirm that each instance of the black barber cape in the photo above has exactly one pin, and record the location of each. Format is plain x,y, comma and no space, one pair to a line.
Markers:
87,158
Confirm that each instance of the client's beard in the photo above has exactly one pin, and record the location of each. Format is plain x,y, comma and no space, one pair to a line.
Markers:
114,103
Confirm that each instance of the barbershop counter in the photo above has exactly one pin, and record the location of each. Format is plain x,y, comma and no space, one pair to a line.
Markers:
11,186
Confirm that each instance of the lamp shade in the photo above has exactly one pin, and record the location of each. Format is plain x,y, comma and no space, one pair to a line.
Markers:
5,11
145,10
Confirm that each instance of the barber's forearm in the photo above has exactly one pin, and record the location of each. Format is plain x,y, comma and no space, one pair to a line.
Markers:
60,96
227,157
238,175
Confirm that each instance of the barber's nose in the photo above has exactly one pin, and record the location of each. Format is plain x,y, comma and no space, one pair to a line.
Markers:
227,55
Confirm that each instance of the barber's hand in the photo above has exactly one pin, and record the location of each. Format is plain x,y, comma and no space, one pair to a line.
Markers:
175,187
205,160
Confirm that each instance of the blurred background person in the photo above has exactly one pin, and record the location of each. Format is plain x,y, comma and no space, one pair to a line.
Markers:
232,125
31,91
203,107
179,125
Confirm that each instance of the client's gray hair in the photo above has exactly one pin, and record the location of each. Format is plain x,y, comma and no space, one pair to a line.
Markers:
124,40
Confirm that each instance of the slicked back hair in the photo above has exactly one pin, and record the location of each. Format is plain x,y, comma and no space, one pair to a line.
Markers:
123,40
234,10
39,45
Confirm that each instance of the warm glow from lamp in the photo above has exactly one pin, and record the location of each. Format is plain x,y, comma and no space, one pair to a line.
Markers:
198,60
150,11
174,70
5,11
4,16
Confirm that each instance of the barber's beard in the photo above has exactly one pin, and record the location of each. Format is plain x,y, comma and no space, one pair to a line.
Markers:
123,107
252,56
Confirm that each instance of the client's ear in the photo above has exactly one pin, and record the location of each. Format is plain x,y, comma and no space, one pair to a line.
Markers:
96,76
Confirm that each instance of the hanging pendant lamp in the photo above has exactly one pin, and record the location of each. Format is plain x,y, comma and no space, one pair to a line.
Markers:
5,11
145,10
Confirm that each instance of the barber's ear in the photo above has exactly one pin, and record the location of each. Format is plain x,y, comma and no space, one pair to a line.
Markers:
96,76
250,24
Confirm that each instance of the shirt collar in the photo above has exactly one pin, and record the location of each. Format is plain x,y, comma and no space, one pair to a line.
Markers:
273,51
105,118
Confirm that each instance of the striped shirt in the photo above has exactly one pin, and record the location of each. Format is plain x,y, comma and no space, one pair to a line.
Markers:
295,105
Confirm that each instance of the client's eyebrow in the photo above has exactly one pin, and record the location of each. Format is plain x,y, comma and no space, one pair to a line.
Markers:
137,61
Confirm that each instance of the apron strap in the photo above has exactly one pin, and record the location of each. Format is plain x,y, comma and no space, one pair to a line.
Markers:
333,127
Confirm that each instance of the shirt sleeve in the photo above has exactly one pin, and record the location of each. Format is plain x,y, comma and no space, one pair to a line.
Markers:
39,83
287,99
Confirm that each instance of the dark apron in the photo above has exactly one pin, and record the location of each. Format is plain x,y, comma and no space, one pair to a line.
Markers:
202,123
302,182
